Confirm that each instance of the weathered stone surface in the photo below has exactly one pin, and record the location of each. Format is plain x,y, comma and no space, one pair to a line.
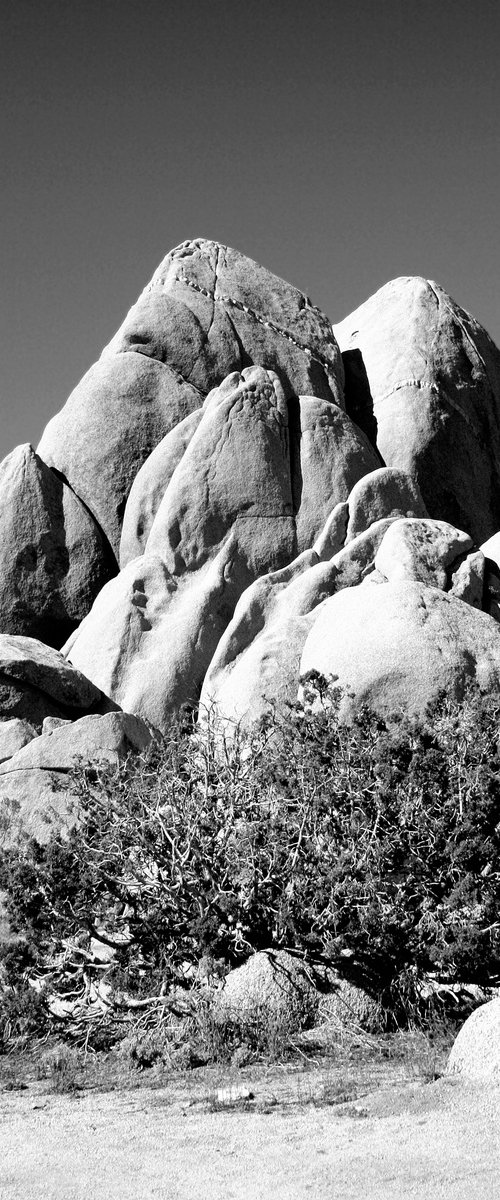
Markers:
324,455
333,534
434,376
53,557
349,1008
273,984
385,492
356,560
14,734
476,1050
397,646
21,701
31,663
422,550
95,738
227,515
150,485
108,427
210,310
469,581
151,635
51,723
37,682
35,802
37,792
329,454
234,477
256,664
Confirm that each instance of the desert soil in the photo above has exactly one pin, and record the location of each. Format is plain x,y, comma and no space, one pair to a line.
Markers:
410,1140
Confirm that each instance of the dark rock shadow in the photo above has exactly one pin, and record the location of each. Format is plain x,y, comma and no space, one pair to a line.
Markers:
358,397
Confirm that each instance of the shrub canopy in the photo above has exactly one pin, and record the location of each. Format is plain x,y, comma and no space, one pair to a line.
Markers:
373,847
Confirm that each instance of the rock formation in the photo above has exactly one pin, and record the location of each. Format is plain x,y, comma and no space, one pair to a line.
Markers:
54,558
434,383
476,1050
237,493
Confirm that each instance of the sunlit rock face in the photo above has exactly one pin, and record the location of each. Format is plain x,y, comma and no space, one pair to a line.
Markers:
208,311
434,382
237,493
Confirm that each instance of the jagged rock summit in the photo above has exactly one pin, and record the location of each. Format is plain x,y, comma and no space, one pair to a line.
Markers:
238,492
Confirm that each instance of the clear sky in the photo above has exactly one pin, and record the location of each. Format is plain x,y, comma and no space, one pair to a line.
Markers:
338,142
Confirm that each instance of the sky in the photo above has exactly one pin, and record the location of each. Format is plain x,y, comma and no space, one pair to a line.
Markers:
339,142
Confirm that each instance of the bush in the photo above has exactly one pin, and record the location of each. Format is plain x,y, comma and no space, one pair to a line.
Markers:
23,1014
373,847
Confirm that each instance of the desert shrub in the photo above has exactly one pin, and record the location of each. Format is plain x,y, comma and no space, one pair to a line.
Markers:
373,846
23,1014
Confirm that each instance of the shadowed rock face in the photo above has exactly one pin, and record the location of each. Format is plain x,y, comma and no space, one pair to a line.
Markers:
235,494
54,559
38,682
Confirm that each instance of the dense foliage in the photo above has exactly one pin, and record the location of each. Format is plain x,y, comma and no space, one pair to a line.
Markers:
373,847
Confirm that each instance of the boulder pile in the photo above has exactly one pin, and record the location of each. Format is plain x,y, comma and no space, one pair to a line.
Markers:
237,493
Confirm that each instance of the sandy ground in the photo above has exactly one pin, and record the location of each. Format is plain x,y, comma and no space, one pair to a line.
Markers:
439,1140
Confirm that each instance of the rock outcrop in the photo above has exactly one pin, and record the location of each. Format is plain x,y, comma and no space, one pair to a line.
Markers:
238,493
54,559
38,682
249,490
37,781
434,384
398,646
256,667
208,311
14,734
272,985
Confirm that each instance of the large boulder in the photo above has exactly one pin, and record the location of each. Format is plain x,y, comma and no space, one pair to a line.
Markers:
36,681
151,635
112,421
329,454
150,485
96,738
37,787
476,1050
397,646
233,510
54,559
422,550
256,666
227,515
273,986
348,1008
434,379
207,311
14,734
235,476
210,310
384,492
